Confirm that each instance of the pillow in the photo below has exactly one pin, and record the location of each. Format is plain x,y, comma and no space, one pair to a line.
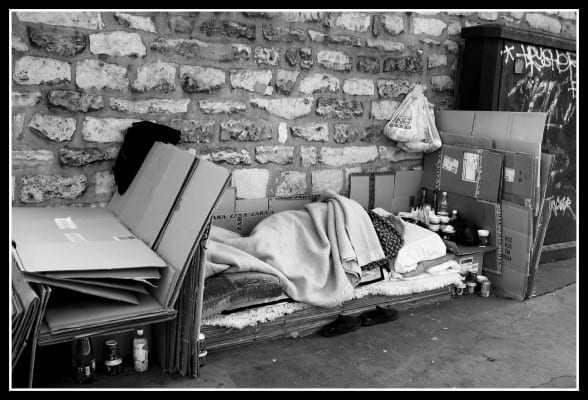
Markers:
236,291
420,244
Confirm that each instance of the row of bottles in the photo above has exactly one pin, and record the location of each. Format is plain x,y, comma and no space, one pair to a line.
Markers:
84,361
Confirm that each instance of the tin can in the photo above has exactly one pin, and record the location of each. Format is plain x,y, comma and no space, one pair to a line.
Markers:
485,288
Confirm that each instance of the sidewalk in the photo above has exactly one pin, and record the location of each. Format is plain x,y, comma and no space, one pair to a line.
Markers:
469,342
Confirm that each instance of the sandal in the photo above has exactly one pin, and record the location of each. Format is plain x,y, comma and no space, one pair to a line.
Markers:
342,324
379,315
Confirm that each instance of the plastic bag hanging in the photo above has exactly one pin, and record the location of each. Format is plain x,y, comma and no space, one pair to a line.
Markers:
413,124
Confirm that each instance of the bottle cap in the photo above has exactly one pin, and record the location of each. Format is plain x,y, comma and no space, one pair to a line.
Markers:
140,331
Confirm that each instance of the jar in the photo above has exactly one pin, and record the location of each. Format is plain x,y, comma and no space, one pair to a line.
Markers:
471,287
113,361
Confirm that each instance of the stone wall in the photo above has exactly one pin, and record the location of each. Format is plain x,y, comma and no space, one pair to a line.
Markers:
292,102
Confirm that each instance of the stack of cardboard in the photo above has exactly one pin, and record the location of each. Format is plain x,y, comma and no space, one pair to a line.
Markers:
122,267
28,307
517,137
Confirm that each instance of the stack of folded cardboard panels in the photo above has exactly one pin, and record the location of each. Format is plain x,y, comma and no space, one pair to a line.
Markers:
122,267
28,307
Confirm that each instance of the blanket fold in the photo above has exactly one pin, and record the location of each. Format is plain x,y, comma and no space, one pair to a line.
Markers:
316,252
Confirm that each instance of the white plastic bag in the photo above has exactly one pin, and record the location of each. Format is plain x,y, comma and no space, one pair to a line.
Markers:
413,124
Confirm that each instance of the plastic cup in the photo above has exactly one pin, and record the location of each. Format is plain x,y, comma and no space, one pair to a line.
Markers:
483,235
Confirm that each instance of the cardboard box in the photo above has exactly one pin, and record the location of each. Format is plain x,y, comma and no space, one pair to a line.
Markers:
372,190
511,131
182,218
406,190
249,212
469,258
469,171
394,192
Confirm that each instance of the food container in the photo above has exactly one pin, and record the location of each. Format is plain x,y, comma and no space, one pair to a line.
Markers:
483,235
434,220
471,287
444,219
448,232
434,227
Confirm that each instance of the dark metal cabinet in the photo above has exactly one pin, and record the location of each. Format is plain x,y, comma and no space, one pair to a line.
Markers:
511,69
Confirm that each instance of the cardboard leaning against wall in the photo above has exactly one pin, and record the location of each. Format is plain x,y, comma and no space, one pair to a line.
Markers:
472,172
393,191
182,218
511,131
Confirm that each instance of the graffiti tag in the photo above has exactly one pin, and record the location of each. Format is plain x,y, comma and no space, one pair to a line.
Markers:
560,204
539,58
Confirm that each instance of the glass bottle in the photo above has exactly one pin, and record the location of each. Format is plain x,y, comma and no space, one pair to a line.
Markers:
140,352
113,361
84,362
443,205
423,197
435,201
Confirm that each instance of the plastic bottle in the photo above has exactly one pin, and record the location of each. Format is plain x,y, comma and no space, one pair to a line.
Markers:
113,361
84,362
140,352
443,205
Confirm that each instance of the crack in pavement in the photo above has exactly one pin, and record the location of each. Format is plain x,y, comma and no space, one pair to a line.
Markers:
552,379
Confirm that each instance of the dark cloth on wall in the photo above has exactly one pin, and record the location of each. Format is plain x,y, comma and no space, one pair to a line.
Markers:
390,239
137,142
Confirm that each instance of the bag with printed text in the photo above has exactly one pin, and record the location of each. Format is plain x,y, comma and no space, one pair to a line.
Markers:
413,124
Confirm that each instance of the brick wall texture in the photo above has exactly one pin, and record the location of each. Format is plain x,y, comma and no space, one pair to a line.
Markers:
295,101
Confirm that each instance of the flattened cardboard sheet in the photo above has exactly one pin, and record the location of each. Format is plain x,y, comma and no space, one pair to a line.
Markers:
92,312
187,224
406,190
49,241
136,273
93,290
511,131
145,206
468,171
373,189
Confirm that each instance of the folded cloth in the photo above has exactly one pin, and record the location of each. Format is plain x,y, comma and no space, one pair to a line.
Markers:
359,227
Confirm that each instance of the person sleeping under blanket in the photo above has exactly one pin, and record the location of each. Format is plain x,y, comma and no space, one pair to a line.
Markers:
316,252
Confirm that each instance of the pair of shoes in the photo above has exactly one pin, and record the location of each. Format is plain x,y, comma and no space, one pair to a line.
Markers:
343,324
348,323
377,316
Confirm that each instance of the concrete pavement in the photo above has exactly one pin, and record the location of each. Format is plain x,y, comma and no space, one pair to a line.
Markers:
469,342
